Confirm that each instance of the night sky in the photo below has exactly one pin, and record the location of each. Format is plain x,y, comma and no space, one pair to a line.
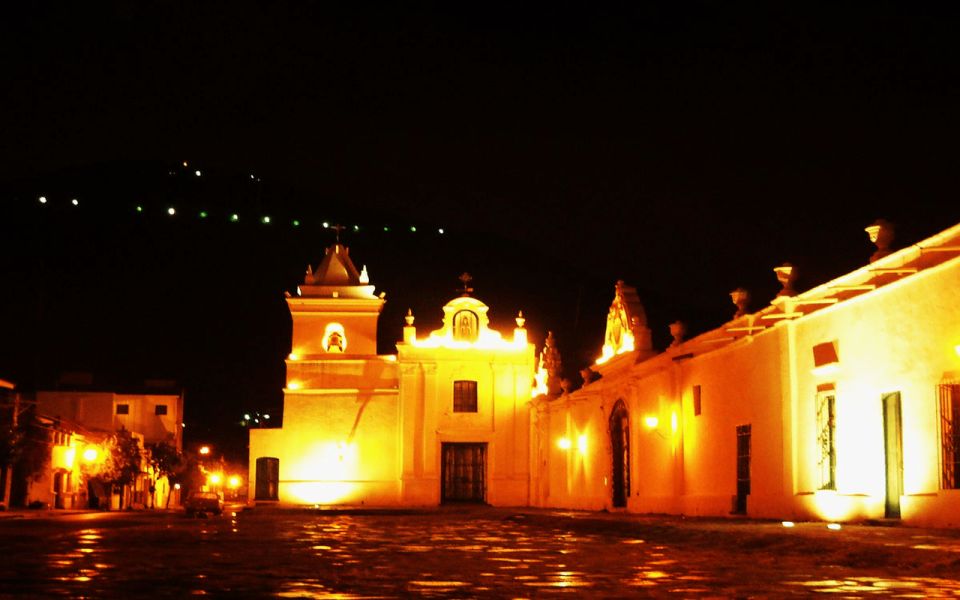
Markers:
685,148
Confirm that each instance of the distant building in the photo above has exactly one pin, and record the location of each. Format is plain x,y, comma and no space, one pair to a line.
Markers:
839,403
81,420
444,419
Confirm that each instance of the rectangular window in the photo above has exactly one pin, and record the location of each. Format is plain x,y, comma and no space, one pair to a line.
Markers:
827,440
160,409
123,409
465,396
696,401
949,399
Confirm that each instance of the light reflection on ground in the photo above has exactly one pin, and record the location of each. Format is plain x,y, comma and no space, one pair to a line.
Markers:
465,553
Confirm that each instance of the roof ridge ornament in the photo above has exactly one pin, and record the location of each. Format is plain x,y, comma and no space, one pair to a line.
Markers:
466,278
337,228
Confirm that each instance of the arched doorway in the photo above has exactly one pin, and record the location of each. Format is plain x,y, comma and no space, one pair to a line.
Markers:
620,444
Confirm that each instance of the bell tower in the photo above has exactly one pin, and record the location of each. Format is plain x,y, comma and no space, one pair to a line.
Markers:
335,311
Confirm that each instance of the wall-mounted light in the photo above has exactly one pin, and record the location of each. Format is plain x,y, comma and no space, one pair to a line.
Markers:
90,454
957,349
582,444
651,421
564,443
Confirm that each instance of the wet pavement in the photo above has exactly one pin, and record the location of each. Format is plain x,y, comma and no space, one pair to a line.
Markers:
464,552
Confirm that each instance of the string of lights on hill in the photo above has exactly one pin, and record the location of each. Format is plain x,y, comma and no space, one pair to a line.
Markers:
234,215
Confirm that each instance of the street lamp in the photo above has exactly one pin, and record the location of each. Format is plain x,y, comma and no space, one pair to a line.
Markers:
204,450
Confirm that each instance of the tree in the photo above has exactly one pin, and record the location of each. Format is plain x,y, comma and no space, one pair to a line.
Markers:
123,460
168,462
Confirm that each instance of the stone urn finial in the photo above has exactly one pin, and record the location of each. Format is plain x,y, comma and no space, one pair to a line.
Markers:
881,234
740,298
678,329
786,275
409,318
520,319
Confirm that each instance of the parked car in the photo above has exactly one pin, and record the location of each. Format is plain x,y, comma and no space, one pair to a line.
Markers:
203,502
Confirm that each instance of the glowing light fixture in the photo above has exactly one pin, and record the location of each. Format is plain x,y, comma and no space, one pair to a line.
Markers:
176,486
413,229
204,450
266,417
787,523
834,526
43,199
582,444
294,385
673,422
293,356
564,443
75,202
246,416
651,421
326,225
215,478
90,454
234,218
139,209
197,172
386,229
171,211
203,214
440,231
296,223
957,349
265,220
233,482
356,228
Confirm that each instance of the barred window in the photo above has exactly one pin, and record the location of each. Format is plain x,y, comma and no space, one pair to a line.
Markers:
949,400
160,409
123,409
465,396
826,440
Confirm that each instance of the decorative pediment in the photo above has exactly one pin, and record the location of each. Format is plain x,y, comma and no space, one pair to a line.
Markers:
626,324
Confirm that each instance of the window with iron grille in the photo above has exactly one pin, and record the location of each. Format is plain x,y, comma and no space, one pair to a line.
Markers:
464,396
826,441
948,395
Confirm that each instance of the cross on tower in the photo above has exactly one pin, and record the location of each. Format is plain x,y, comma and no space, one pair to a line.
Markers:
337,228
466,279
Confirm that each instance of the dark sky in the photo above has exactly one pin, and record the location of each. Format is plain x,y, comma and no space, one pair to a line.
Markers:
687,148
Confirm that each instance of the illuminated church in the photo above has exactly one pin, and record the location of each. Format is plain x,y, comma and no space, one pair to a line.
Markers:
444,419
840,403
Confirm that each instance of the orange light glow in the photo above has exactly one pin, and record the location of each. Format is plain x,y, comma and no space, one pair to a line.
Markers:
90,454
957,349
293,356
787,523
204,450
215,478
233,482
564,443
294,385
651,421
582,444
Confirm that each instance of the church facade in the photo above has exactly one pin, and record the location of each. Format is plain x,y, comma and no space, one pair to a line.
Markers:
444,419
841,403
